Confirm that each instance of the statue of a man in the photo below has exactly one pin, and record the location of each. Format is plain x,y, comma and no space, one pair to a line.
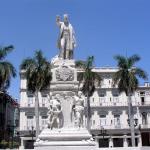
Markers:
66,40
54,113
78,109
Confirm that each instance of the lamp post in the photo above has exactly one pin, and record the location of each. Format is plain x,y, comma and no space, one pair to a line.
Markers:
32,132
102,133
18,137
10,129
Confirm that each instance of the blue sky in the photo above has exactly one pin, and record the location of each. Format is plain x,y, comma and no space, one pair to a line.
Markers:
103,28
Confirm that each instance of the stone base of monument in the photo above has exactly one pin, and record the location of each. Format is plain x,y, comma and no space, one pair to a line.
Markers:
65,139
62,62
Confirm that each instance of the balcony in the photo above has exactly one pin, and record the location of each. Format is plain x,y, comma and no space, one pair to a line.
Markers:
116,101
109,104
108,127
29,128
136,103
145,103
145,126
33,105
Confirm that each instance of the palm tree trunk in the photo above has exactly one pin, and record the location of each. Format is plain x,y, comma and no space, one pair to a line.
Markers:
37,113
88,113
131,119
6,119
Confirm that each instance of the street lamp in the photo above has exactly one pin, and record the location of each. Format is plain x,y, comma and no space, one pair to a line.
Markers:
10,129
102,133
32,133
18,136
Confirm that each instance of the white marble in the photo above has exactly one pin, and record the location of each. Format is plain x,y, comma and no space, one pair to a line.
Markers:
65,137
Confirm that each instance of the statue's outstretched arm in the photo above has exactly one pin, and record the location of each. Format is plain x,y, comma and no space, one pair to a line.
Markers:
58,22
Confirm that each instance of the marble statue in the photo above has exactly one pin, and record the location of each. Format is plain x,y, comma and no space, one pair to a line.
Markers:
65,129
54,112
66,40
78,109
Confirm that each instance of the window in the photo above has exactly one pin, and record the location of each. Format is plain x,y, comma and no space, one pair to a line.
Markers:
102,120
144,118
117,120
102,98
142,93
44,99
142,100
93,99
30,100
44,121
29,122
142,96
93,122
115,97
102,94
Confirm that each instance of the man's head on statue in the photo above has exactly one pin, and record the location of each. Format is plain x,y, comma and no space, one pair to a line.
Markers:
57,96
79,93
66,18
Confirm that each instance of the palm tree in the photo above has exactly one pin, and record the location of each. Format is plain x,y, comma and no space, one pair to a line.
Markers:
88,79
127,80
7,70
38,75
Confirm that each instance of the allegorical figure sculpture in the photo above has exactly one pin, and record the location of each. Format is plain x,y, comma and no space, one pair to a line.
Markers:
78,108
66,40
54,112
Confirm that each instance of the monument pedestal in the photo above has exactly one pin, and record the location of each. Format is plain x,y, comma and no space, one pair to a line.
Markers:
64,89
65,139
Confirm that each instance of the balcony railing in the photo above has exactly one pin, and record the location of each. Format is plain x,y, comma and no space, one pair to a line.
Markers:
109,104
145,126
33,105
28,128
99,127
103,102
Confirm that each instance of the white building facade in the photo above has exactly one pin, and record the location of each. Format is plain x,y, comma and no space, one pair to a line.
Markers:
109,111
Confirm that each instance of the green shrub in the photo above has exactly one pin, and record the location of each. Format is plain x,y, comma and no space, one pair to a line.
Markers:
4,144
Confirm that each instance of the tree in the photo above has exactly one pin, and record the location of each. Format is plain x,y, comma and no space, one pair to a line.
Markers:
7,70
88,79
38,75
127,80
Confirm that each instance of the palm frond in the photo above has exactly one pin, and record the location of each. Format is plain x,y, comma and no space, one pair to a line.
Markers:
141,73
133,59
126,76
28,62
80,64
5,50
38,72
7,71
90,61
88,78
121,61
